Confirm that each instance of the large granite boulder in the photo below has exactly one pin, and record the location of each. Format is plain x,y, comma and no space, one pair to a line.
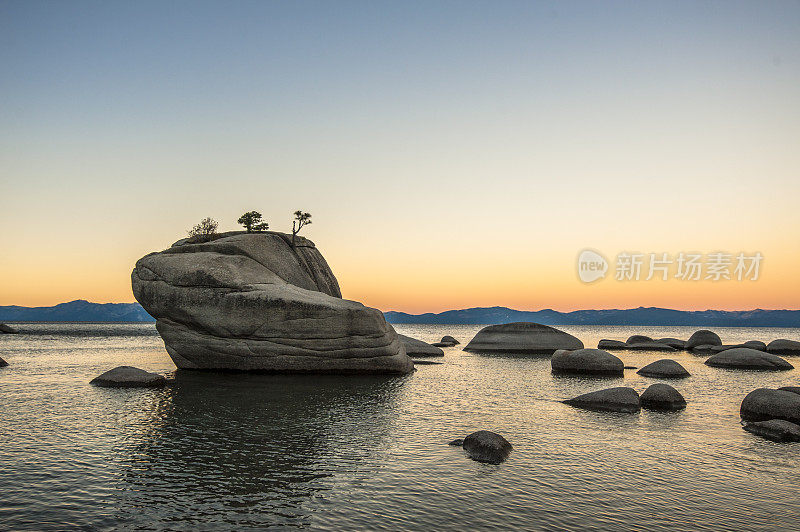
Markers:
418,348
129,377
664,369
764,404
660,396
746,358
702,337
254,301
611,344
5,329
522,337
619,399
784,347
485,446
775,430
586,362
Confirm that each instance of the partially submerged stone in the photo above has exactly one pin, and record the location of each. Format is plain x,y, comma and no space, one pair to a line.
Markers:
660,396
129,377
611,344
665,369
3,363
702,337
784,347
764,404
746,358
447,339
793,389
418,348
486,446
586,362
774,429
621,399
639,339
5,329
673,342
650,346
522,338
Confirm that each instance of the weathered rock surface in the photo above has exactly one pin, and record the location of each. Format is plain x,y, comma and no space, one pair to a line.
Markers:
254,302
611,344
764,404
619,399
793,389
662,396
5,329
639,339
746,358
775,430
784,347
486,446
673,342
522,337
129,377
586,362
665,369
418,348
702,337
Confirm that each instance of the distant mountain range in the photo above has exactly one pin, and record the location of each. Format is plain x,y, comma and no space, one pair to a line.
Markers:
78,310
81,310
651,316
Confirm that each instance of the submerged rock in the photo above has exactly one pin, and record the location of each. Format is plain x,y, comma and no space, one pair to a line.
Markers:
793,389
784,347
764,404
662,396
254,301
426,363
673,342
586,362
129,377
418,348
665,369
486,446
639,339
650,346
447,339
522,337
619,399
705,349
755,344
746,358
775,430
3,363
702,337
611,344
7,330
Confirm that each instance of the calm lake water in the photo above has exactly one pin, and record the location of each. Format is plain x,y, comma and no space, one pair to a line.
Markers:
233,451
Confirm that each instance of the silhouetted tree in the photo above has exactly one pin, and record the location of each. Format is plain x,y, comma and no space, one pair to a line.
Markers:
207,226
300,219
252,220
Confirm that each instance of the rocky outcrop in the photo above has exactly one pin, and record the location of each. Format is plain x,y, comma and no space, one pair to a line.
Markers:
775,430
662,396
784,347
129,377
5,329
664,369
611,344
673,342
418,348
253,301
522,338
702,337
764,404
639,339
620,399
485,446
746,358
586,362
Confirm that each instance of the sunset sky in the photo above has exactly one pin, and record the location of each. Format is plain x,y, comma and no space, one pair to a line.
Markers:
453,154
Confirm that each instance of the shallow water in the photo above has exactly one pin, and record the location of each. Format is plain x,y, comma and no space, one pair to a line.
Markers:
234,451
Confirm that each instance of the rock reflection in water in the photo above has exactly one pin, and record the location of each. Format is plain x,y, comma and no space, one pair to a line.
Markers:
240,445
